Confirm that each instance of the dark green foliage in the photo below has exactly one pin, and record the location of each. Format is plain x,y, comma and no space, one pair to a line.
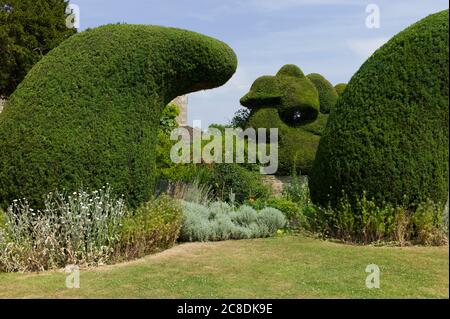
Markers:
340,88
168,120
88,112
29,29
240,119
288,101
243,183
327,93
389,133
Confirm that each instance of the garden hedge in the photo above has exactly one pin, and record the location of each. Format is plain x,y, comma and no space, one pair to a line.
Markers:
389,133
88,113
327,93
288,101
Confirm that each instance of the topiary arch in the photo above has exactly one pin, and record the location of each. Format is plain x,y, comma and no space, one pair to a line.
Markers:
389,133
88,113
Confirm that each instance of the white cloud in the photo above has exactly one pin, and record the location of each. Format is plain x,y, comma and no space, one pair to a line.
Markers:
364,48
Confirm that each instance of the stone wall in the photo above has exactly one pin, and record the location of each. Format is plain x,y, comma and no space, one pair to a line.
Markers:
182,103
277,183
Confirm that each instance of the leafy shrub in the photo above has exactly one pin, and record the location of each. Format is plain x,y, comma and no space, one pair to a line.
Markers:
428,224
81,228
152,227
88,112
219,221
366,222
290,209
445,220
168,120
245,184
240,119
327,93
297,190
389,137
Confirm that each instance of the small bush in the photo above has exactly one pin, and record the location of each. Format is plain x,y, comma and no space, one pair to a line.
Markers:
366,222
243,183
428,224
290,209
152,227
219,221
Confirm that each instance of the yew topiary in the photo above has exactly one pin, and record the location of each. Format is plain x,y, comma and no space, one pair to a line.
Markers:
340,88
88,113
327,93
288,101
388,135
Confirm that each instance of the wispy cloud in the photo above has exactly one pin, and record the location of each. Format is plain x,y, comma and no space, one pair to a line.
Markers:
364,48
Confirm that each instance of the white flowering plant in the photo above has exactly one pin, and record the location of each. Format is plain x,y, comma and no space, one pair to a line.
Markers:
80,228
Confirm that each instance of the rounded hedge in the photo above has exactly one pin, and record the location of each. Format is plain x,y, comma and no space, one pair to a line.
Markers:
327,93
340,88
88,113
288,101
389,134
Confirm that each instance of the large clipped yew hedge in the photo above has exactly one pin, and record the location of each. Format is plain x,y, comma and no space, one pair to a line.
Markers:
88,113
389,133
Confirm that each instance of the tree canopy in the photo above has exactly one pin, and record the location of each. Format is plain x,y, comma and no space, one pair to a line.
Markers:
29,29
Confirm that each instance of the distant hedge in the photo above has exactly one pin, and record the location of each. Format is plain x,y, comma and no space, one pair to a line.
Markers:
340,88
88,113
327,93
288,101
389,133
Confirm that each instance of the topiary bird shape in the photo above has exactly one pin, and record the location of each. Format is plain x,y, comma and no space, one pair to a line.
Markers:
88,113
290,102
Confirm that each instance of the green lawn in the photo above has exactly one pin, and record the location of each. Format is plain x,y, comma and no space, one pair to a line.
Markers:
283,267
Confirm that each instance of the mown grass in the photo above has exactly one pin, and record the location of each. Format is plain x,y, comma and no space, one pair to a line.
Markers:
282,267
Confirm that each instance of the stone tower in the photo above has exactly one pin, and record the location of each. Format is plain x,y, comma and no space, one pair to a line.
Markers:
182,103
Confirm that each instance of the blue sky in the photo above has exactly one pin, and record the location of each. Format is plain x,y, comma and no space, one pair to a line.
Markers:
322,36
